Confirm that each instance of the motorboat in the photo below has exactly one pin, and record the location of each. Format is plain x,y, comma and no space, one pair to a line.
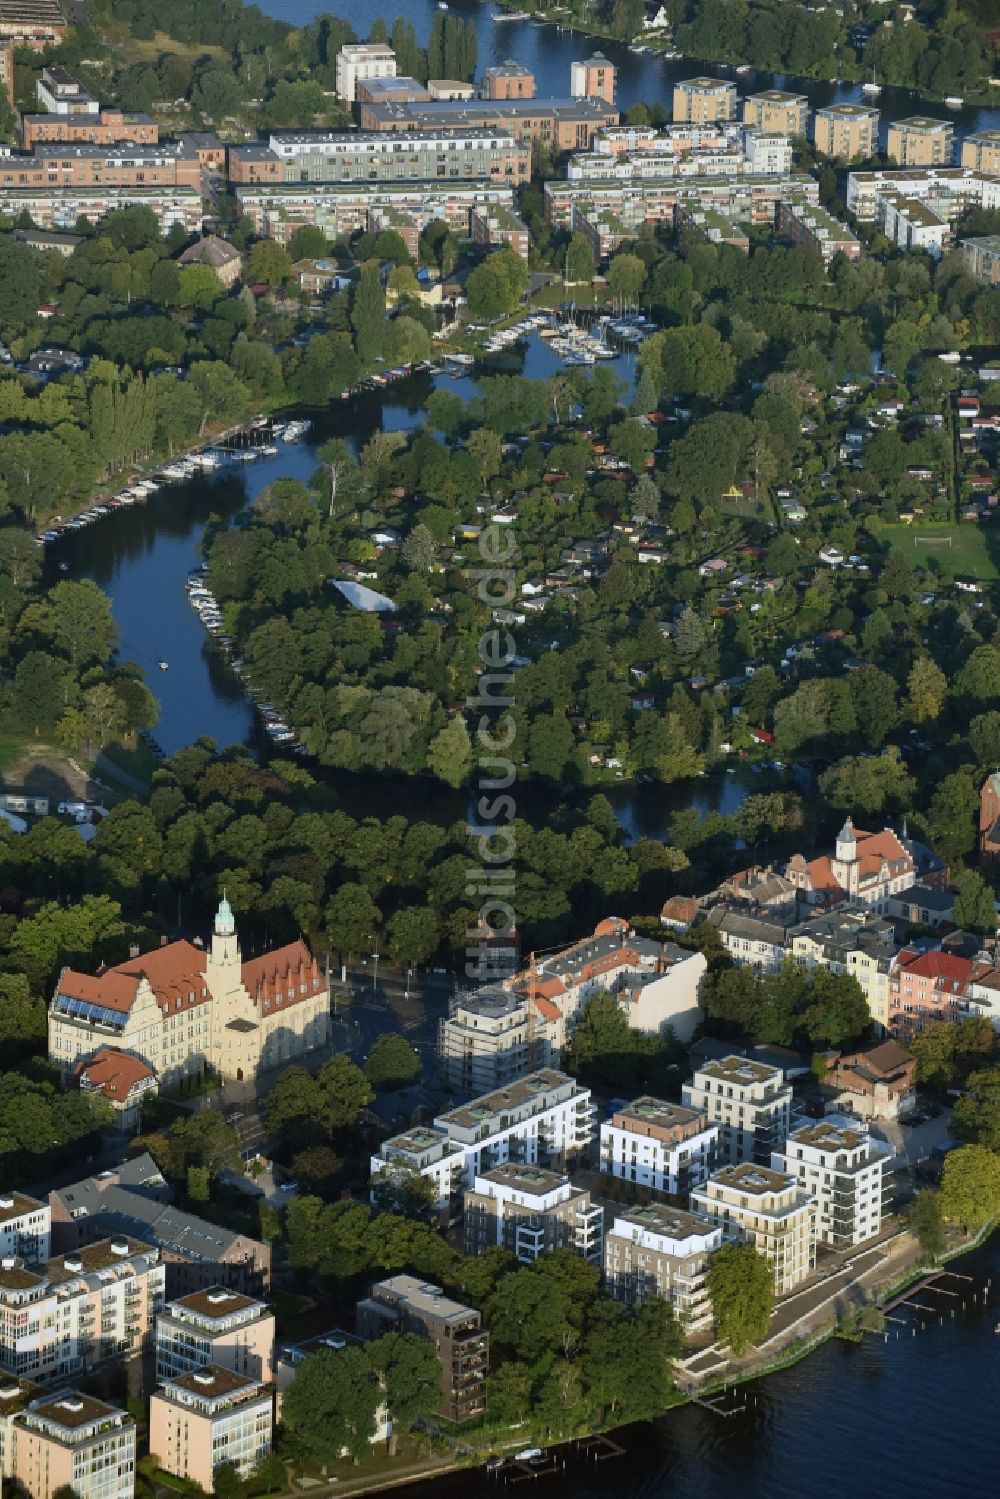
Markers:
163,665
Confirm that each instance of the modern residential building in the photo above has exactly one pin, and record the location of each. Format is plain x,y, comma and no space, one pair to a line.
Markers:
920,141
809,225
665,1147
391,90
982,151
603,230
508,80
912,224
448,90
48,209
774,109
855,943
25,1228
456,151
561,124
866,869
211,1416
531,1211
32,23
134,1199
593,78
218,254
749,1101
291,1356
59,93
498,228
544,1119
69,1440
216,1326
492,1036
106,128
656,1250
878,1082
701,100
839,1164
383,217
653,200
15,1396
767,153
847,131
362,60
277,210
70,1315
767,1209
181,1008
948,190
57,166
407,1304
712,226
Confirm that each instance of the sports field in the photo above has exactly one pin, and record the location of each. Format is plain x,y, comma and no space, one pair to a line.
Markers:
973,551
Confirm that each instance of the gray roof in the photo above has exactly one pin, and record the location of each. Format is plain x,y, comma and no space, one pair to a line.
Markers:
129,1208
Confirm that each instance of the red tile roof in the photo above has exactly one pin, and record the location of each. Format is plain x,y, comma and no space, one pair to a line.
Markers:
174,971
280,977
114,1073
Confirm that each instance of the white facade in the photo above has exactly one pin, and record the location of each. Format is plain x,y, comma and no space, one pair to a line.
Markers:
668,1000
661,1146
362,60
543,1119
837,1162
749,1101
25,1228
767,151
532,1211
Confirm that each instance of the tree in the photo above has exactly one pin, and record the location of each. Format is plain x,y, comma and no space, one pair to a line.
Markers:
82,625
977,1112
626,276
392,1063
449,754
925,1222
419,549
579,263
741,1287
343,1092
22,1020
928,688
951,816
496,287
368,313
970,1186
975,903
406,1369
400,1188
352,919
269,262
330,1406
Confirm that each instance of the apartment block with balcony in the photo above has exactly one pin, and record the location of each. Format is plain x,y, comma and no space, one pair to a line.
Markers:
198,1421
656,1250
531,1211
749,1101
982,256
25,1228
216,1326
846,131
767,1209
406,1304
15,1396
920,141
699,101
774,109
544,1119
508,80
662,1146
71,1440
838,1162
486,1040
74,1314
362,60
982,151
455,151
807,224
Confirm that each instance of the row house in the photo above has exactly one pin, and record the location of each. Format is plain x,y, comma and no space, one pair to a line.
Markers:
531,1211
748,1101
55,165
752,940
656,1250
664,1147
561,124
543,1119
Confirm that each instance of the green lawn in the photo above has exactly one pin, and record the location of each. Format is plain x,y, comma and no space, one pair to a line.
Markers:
973,550
11,750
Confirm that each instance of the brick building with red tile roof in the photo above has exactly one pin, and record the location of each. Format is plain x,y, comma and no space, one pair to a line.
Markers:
865,870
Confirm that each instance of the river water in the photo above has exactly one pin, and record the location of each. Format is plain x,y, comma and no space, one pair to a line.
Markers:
913,1417
642,77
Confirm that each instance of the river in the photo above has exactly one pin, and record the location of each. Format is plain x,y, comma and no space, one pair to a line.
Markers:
642,77
907,1418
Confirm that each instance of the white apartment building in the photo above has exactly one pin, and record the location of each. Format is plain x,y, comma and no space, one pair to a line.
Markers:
658,1250
493,1036
72,1314
70,1440
749,1101
949,190
217,1326
751,941
767,1209
531,1211
362,60
198,1421
543,1119
767,151
25,1228
663,1146
837,1161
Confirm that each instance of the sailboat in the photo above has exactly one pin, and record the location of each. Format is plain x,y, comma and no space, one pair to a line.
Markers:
872,87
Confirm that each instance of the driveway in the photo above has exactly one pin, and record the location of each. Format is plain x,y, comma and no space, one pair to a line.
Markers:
913,1143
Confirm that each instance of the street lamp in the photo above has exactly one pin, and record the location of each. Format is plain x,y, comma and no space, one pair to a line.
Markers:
371,938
